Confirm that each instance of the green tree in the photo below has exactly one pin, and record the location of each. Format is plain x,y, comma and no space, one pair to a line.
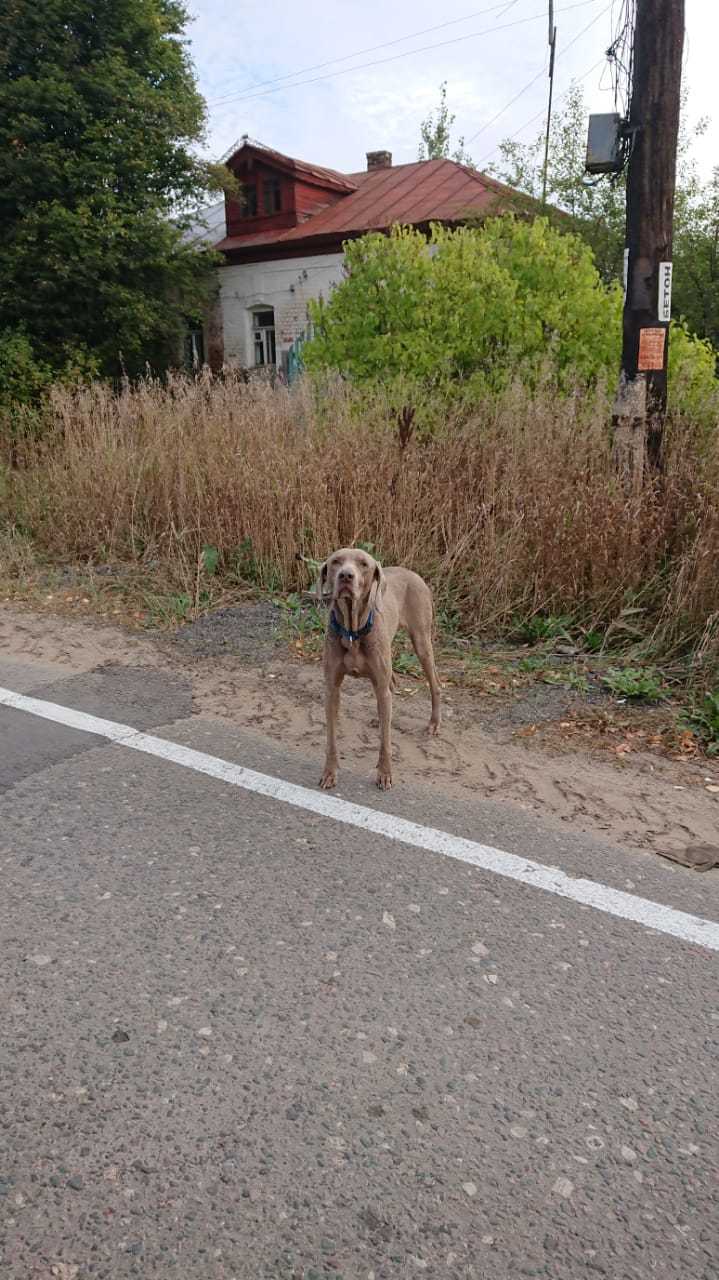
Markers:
436,134
695,293
595,209
98,116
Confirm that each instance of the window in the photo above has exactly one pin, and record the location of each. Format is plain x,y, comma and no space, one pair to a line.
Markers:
248,200
263,334
272,195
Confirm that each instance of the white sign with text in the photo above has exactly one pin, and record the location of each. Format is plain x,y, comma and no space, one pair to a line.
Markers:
665,292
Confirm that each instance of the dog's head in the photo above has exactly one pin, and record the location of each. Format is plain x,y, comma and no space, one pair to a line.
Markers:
353,575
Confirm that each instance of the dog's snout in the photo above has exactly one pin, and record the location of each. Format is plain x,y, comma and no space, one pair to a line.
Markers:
346,575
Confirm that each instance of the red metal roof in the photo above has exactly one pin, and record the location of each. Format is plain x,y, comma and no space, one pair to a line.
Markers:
427,191
310,172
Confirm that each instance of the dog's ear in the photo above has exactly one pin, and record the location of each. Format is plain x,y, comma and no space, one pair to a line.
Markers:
320,585
379,586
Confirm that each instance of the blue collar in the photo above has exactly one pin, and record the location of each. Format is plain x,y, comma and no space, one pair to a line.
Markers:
337,628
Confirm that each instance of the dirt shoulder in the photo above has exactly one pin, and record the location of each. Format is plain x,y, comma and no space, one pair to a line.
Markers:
539,747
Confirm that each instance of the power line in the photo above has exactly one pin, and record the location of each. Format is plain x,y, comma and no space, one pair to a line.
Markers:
363,66
509,104
620,56
539,114
539,74
412,35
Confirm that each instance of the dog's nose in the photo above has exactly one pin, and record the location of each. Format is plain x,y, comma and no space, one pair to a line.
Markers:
346,575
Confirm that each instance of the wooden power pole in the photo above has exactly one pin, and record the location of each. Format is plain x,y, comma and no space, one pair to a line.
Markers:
653,130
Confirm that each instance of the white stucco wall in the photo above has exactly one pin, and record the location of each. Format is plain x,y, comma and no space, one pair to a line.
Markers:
284,285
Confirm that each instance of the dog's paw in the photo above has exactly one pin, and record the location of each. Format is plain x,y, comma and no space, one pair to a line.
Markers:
328,779
433,729
384,780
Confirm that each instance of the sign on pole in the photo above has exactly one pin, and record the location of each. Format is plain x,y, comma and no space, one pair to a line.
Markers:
664,308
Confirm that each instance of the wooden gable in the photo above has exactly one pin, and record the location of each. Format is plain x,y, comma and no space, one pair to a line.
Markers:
275,195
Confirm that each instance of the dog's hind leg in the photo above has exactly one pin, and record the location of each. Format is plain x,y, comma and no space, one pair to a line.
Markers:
422,645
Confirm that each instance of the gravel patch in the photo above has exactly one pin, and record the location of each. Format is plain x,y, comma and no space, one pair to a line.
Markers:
248,631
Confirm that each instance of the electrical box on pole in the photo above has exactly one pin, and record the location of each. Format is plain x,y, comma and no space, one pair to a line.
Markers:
605,149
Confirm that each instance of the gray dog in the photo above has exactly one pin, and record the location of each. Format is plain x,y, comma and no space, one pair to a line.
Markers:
368,604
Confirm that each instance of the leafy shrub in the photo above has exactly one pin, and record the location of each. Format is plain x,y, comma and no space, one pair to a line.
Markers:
22,377
692,381
471,309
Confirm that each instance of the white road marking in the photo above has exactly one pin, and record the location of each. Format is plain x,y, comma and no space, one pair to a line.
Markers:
614,902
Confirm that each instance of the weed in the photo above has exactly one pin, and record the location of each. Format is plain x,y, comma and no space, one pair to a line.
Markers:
167,610
635,683
17,555
593,641
245,567
575,680
304,623
449,621
703,718
531,664
210,560
407,664
578,681
538,628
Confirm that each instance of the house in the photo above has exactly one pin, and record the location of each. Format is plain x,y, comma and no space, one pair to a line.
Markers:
282,239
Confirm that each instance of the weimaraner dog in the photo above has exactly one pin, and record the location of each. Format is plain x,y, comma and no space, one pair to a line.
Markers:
367,605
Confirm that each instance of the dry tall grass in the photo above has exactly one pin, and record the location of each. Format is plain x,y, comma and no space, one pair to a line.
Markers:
512,511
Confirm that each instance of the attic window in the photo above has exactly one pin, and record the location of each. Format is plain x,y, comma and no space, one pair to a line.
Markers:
272,195
248,200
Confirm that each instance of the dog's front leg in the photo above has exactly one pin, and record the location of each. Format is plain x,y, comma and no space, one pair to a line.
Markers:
333,680
383,692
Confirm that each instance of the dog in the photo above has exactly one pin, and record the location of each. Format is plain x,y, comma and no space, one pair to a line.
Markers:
367,605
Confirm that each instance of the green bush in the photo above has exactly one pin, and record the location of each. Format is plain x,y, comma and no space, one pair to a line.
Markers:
22,377
693,384
474,308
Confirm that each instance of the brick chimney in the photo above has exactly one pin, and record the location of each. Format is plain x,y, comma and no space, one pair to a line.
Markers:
379,160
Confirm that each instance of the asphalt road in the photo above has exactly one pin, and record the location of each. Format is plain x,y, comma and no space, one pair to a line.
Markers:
240,1039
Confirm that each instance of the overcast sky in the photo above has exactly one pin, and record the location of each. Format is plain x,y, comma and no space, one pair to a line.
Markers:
335,119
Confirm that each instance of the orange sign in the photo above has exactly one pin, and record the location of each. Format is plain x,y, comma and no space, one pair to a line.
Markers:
651,349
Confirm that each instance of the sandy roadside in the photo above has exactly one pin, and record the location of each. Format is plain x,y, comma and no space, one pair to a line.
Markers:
643,800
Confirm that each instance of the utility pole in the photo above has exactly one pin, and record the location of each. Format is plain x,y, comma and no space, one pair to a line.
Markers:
653,129
552,47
